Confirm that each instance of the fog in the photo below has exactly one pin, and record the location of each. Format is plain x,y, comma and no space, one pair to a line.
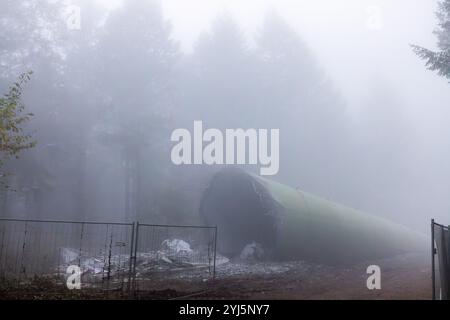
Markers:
362,121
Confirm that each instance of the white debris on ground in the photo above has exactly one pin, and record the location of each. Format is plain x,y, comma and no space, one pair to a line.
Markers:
176,245
176,260
252,252
173,255
68,255
100,264
258,269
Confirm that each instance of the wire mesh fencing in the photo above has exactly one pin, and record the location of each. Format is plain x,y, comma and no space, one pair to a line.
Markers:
165,253
119,257
440,258
44,250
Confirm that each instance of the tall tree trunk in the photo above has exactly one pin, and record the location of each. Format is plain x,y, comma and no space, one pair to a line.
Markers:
35,204
131,185
81,205
3,203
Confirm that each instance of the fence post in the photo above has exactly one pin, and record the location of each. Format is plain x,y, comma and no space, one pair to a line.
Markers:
130,270
448,261
215,252
136,240
433,276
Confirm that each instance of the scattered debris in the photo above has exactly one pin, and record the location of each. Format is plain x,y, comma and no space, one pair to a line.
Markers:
252,252
68,255
173,255
176,245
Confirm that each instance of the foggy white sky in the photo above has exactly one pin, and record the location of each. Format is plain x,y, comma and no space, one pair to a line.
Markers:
355,46
356,41
339,33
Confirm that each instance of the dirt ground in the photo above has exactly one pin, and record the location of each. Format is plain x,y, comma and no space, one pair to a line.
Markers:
402,277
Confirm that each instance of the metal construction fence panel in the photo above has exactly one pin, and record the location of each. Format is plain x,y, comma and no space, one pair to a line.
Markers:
32,248
440,258
110,256
169,252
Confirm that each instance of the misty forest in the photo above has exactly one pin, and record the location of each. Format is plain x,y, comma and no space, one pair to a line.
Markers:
87,113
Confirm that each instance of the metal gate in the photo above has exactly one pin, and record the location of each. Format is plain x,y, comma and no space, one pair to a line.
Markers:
440,259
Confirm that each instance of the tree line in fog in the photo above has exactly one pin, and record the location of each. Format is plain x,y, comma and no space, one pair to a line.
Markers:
106,98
